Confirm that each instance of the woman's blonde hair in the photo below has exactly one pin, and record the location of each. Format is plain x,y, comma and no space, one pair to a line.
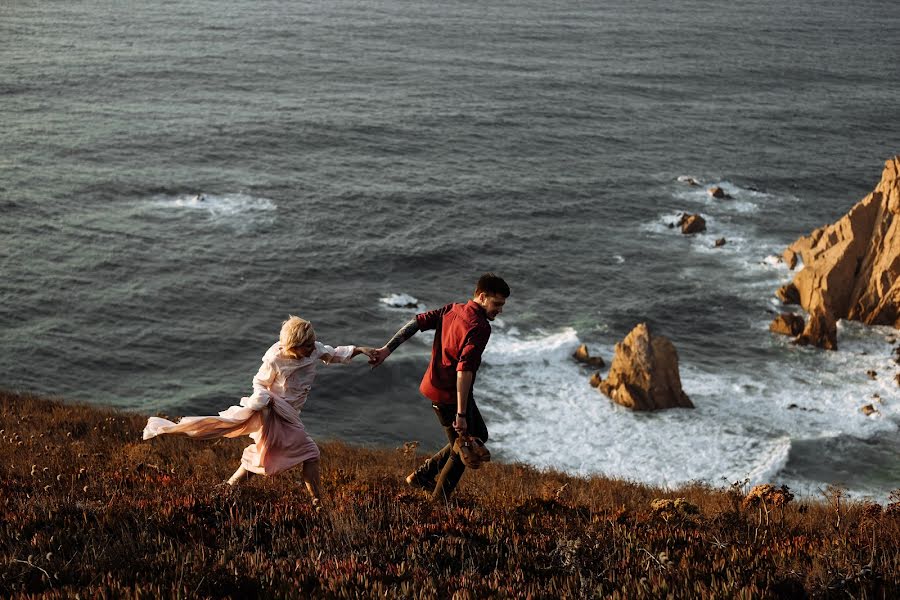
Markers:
296,333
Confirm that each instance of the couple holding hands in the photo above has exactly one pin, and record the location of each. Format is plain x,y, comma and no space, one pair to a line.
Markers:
271,415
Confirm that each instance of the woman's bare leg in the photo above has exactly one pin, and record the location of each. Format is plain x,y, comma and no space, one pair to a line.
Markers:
240,474
312,476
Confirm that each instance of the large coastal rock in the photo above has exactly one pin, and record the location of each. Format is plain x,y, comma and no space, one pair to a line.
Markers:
851,267
644,373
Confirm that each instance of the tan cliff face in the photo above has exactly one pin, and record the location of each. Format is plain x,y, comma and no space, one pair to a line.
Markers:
644,373
851,268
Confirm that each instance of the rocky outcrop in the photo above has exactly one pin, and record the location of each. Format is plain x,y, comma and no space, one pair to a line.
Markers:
787,324
788,294
790,259
583,356
851,268
820,330
644,373
692,224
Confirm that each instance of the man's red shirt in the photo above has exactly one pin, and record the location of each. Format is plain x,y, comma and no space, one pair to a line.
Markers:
461,334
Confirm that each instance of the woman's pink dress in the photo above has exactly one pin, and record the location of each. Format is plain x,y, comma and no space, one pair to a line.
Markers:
271,416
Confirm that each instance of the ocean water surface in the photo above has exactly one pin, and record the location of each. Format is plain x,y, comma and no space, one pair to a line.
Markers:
351,151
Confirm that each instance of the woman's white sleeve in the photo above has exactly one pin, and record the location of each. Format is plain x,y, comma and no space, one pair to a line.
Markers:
339,354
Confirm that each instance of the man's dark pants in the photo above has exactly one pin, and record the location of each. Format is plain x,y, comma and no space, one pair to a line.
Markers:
446,466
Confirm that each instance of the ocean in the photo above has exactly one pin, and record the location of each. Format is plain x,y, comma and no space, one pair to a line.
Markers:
348,152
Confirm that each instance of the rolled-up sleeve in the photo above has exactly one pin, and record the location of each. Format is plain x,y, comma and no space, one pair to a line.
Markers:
473,347
429,320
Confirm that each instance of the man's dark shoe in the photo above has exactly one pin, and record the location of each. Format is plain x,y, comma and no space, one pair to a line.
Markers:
416,479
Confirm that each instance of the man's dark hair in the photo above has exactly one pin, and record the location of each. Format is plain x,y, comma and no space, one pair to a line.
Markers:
492,285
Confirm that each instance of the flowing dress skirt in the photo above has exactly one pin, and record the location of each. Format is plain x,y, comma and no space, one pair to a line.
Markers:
280,439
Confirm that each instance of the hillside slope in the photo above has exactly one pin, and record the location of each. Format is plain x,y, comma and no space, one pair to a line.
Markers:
87,508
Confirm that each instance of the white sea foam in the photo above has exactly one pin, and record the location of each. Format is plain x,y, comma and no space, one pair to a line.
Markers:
736,242
748,256
741,200
238,212
400,301
771,465
215,205
541,410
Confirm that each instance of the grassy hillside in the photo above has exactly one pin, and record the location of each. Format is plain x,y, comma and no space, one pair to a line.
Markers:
88,508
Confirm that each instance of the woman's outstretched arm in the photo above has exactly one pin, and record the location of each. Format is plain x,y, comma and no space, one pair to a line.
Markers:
344,354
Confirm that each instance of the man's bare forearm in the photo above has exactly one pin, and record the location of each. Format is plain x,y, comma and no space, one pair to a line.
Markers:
405,332
463,385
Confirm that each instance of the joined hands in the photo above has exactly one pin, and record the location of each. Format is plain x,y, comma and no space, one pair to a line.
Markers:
377,355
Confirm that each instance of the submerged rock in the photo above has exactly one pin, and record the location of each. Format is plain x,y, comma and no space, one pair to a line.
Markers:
869,410
852,267
718,193
644,373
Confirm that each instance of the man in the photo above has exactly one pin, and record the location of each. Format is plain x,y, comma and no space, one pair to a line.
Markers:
461,334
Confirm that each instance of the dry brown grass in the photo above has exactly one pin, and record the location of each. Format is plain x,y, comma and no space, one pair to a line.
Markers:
87,508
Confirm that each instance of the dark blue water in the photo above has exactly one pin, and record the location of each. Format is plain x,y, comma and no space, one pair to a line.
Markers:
351,150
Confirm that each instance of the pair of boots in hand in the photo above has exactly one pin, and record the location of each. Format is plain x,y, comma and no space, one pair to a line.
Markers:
472,451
